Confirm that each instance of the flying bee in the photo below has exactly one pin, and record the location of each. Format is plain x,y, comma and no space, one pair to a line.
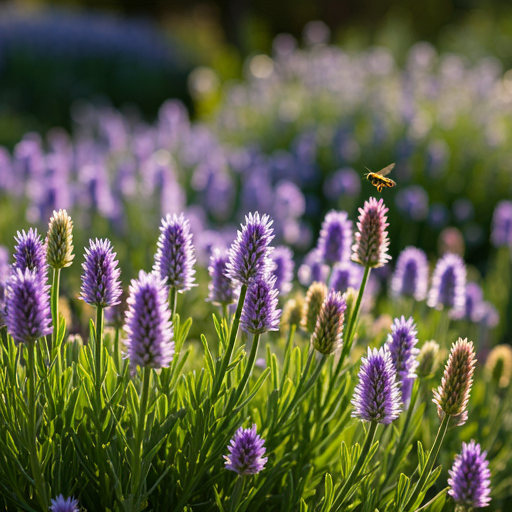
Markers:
378,180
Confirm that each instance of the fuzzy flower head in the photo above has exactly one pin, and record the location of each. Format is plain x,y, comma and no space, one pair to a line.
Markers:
371,246
474,298
28,307
59,240
344,276
249,255
410,278
260,313
452,396
292,311
402,347
148,323
329,325
377,394
174,259
315,297
246,452
498,367
470,478
61,504
501,234
449,284
30,253
335,241
100,279
428,360
222,289
283,268
313,269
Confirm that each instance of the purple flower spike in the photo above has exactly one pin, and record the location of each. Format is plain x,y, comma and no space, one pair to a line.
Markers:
313,269
28,307
329,326
61,504
448,284
402,347
246,452
371,247
100,280
345,275
377,394
260,313
410,278
335,239
148,323
30,253
249,253
473,307
502,224
174,259
283,270
223,291
470,478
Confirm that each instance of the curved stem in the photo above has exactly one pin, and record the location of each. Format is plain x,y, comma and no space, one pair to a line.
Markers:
432,456
99,350
357,468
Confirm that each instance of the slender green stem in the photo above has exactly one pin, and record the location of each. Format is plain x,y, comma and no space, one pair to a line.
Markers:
225,313
117,355
248,368
432,456
343,494
55,306
355,312
237,494
32,404
173,299
139,435
231,344
99,351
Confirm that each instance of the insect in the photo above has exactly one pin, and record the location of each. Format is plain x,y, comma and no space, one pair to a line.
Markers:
378,180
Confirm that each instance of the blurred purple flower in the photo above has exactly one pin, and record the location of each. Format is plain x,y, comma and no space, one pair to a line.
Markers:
283,270
313,269
335,241
410,278
502,224
413,202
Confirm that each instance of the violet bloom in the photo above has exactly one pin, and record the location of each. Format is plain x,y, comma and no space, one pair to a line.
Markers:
222,290
148,323
470,478
474,298
249,253
174,259
371,246
61,504
246,452
345,275
313,269
260,313
448,284
28,307
413,202
30,253
501,234
410,278
327,336
377,394
283,270
402,347
114,315
100,280
335,241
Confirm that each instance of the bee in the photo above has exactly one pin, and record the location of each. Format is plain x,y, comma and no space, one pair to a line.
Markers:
378,180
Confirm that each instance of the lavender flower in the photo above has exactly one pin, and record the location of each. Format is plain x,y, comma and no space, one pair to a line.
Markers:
377,394
246,452
452,396
312,305
59,240
100,280
372,241
498,367
410,278
313,269
448,284
329,325
260,313
470,478
335,239
283,268
28,307
148,323
30,253
402,347
222,290
474,298
174,259
5,272
502,224
61,504
345,275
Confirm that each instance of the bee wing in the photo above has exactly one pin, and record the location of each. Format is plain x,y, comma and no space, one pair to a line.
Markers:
386,170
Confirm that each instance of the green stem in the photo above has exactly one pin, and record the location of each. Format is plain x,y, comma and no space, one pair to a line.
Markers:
99,350
237,494
225,313
343,494
173,299
231,345
355,313
55,306
32,404
432,456
117,355
248,368
139,435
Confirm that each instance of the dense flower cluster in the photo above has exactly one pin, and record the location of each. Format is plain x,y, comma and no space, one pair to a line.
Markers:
326,337
246,452
222,290
448,284
335,240
260,313
410,278
30,253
